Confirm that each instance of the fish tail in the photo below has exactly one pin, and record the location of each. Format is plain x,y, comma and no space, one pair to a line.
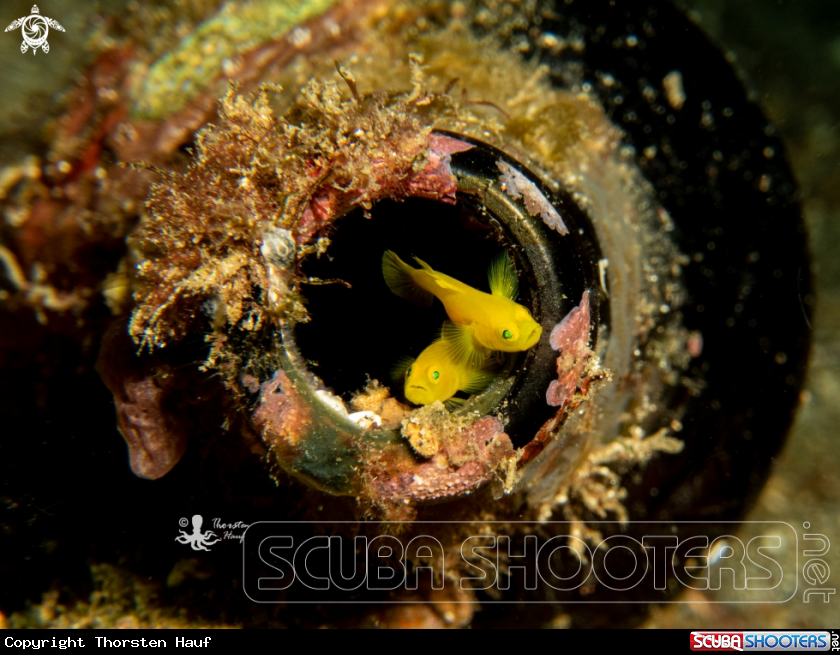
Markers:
400,280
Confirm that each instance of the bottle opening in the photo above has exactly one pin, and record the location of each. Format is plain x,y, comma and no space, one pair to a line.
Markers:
362,332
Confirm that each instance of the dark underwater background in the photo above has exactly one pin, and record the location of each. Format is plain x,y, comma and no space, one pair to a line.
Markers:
789,56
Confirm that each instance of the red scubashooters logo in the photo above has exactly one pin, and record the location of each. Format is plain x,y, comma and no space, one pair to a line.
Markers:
717,641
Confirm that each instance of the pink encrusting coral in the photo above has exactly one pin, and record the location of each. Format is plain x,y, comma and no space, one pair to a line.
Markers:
434,180
571,337
517,186
461,464
283,419
386,475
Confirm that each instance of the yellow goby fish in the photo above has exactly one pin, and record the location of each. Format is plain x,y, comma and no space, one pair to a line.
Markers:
483,321
435,375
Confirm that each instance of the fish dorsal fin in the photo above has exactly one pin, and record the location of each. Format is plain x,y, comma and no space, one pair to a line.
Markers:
424,265
478,380
399,368
398,277
502,277
453,403
436,276
461,347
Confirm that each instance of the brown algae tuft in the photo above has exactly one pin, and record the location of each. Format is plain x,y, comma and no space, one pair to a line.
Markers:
222,239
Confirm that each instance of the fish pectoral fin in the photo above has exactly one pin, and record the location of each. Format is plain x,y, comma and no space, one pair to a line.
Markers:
502,277
498,357
479,380
399,368
398,277
461,346
454,403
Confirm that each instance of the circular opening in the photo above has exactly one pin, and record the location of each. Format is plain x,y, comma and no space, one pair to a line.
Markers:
363,331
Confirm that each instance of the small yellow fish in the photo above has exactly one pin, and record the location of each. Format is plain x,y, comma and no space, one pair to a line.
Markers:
483,321
435,376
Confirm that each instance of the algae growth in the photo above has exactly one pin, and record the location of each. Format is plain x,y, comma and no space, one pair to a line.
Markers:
180,76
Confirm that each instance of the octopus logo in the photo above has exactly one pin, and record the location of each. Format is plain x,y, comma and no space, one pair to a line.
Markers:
198,540
35,29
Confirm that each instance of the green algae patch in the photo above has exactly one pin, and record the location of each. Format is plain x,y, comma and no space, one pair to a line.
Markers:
181,75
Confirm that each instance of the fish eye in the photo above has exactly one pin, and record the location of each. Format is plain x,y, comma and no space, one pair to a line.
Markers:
507,334
408,372
435,374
